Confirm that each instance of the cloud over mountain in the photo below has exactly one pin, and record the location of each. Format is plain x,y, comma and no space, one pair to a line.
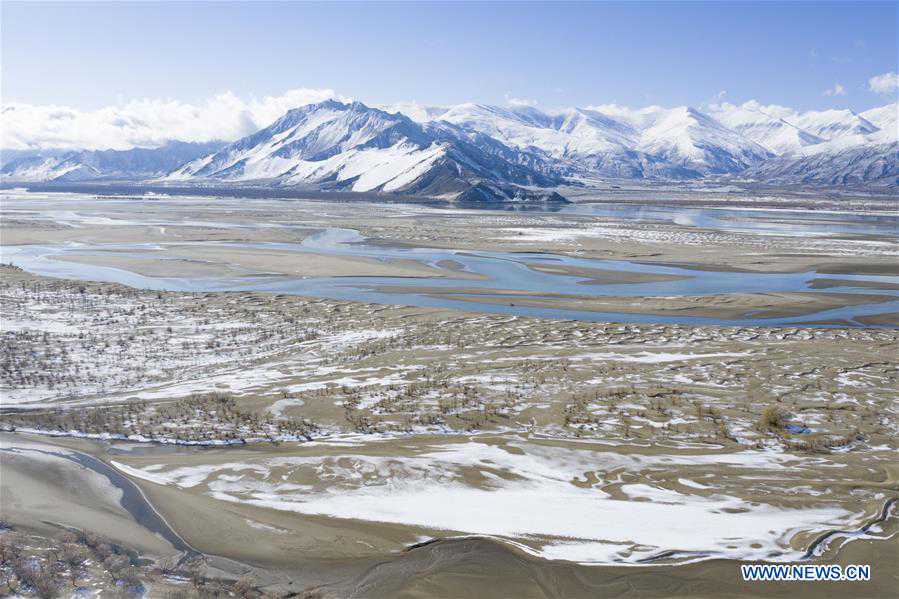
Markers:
146,123
886,83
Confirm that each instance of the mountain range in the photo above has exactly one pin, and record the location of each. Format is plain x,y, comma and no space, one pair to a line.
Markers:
481,153
88,165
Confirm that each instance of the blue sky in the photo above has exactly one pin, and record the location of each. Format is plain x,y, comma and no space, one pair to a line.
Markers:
91,55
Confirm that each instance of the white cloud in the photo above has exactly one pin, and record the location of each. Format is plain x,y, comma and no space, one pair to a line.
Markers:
146,122
884,84
836,90
521,102
612,109
752,106
414,110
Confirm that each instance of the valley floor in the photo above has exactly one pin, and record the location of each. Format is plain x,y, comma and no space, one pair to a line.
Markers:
268,442
360,429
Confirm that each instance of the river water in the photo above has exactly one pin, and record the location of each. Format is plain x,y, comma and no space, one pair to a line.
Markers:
500,272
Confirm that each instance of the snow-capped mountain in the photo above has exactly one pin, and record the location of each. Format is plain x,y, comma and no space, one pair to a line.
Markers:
859,150
833,124
855,165
886,118
354,147
766,126
67,167
8,156
608,140
84,165
786,131
476,151
566,135
690,139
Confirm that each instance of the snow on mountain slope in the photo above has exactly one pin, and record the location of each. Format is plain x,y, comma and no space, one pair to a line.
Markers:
384,169
51,168
567,134
886,118
856,165
477,149
352,146
762,125
862,150
310,133
7,156
852,131
610,140
688,138
832,124
137,163
784,130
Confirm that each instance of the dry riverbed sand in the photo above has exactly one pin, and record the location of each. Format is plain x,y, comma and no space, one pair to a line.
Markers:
230,262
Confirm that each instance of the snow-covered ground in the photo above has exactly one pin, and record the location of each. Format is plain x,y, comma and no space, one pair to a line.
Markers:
533,494
571,235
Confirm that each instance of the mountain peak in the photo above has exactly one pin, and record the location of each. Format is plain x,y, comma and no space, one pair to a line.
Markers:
356,147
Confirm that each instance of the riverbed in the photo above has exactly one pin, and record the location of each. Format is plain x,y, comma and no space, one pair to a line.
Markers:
227,245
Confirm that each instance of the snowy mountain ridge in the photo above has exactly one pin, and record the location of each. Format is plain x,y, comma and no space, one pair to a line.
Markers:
684,142
102,164
353,147
511,153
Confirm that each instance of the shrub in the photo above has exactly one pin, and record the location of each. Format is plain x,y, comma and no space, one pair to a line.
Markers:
773,417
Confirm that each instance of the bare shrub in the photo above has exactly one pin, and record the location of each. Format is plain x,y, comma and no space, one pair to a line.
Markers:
773,417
